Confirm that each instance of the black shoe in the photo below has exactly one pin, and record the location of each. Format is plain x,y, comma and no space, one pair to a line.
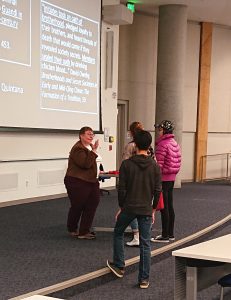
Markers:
119,272
160,239
171,238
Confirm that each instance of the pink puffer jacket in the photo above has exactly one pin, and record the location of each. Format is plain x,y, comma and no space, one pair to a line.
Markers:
168,156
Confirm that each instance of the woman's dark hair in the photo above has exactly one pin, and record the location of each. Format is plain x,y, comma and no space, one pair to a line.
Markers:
84,129
134,127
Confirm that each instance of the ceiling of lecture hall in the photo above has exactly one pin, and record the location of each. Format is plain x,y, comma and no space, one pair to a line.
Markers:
215,11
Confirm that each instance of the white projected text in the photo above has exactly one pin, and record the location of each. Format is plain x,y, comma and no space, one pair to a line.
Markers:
69,46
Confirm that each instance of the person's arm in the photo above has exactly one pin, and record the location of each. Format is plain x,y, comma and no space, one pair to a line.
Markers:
122,185
153,216
157,186
151,152
117,214
160,154
95,146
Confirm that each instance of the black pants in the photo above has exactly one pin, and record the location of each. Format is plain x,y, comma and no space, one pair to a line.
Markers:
168,214
84,197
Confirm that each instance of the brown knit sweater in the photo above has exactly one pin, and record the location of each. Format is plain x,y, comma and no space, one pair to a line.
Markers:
82,163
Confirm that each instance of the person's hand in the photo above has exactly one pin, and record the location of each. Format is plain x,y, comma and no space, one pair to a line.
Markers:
117,214
95,146
153,216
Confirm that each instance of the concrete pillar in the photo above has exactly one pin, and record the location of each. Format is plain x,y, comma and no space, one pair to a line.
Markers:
172,34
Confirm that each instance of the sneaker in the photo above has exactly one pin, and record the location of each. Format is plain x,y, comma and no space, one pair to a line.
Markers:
160,239
171,238
119,272
144,284
133,243
87,236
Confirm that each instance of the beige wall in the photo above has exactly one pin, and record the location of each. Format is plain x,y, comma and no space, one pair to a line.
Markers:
219,127
137,68
220,88
191,77
190,101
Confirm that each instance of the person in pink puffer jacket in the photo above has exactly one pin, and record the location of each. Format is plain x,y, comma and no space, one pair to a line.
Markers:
168,156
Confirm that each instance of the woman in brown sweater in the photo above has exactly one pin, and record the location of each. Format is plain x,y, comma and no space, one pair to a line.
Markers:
82,185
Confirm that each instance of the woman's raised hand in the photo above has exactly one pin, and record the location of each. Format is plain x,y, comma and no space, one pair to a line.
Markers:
95,145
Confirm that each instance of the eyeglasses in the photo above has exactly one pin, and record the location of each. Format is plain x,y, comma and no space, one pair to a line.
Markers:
89,134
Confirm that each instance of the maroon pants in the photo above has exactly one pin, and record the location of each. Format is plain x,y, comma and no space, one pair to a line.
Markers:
84,197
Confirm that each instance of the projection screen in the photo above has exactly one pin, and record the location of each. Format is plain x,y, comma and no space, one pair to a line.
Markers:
50,64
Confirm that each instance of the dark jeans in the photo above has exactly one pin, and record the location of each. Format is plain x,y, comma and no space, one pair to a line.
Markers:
168,214
84,197
144,224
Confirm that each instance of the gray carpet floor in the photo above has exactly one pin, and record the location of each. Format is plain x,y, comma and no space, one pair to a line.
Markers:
161,284
36,250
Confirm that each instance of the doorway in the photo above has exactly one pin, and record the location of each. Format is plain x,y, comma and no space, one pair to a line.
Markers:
122,129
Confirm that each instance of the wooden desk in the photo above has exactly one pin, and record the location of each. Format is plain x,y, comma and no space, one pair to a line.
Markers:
201,265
